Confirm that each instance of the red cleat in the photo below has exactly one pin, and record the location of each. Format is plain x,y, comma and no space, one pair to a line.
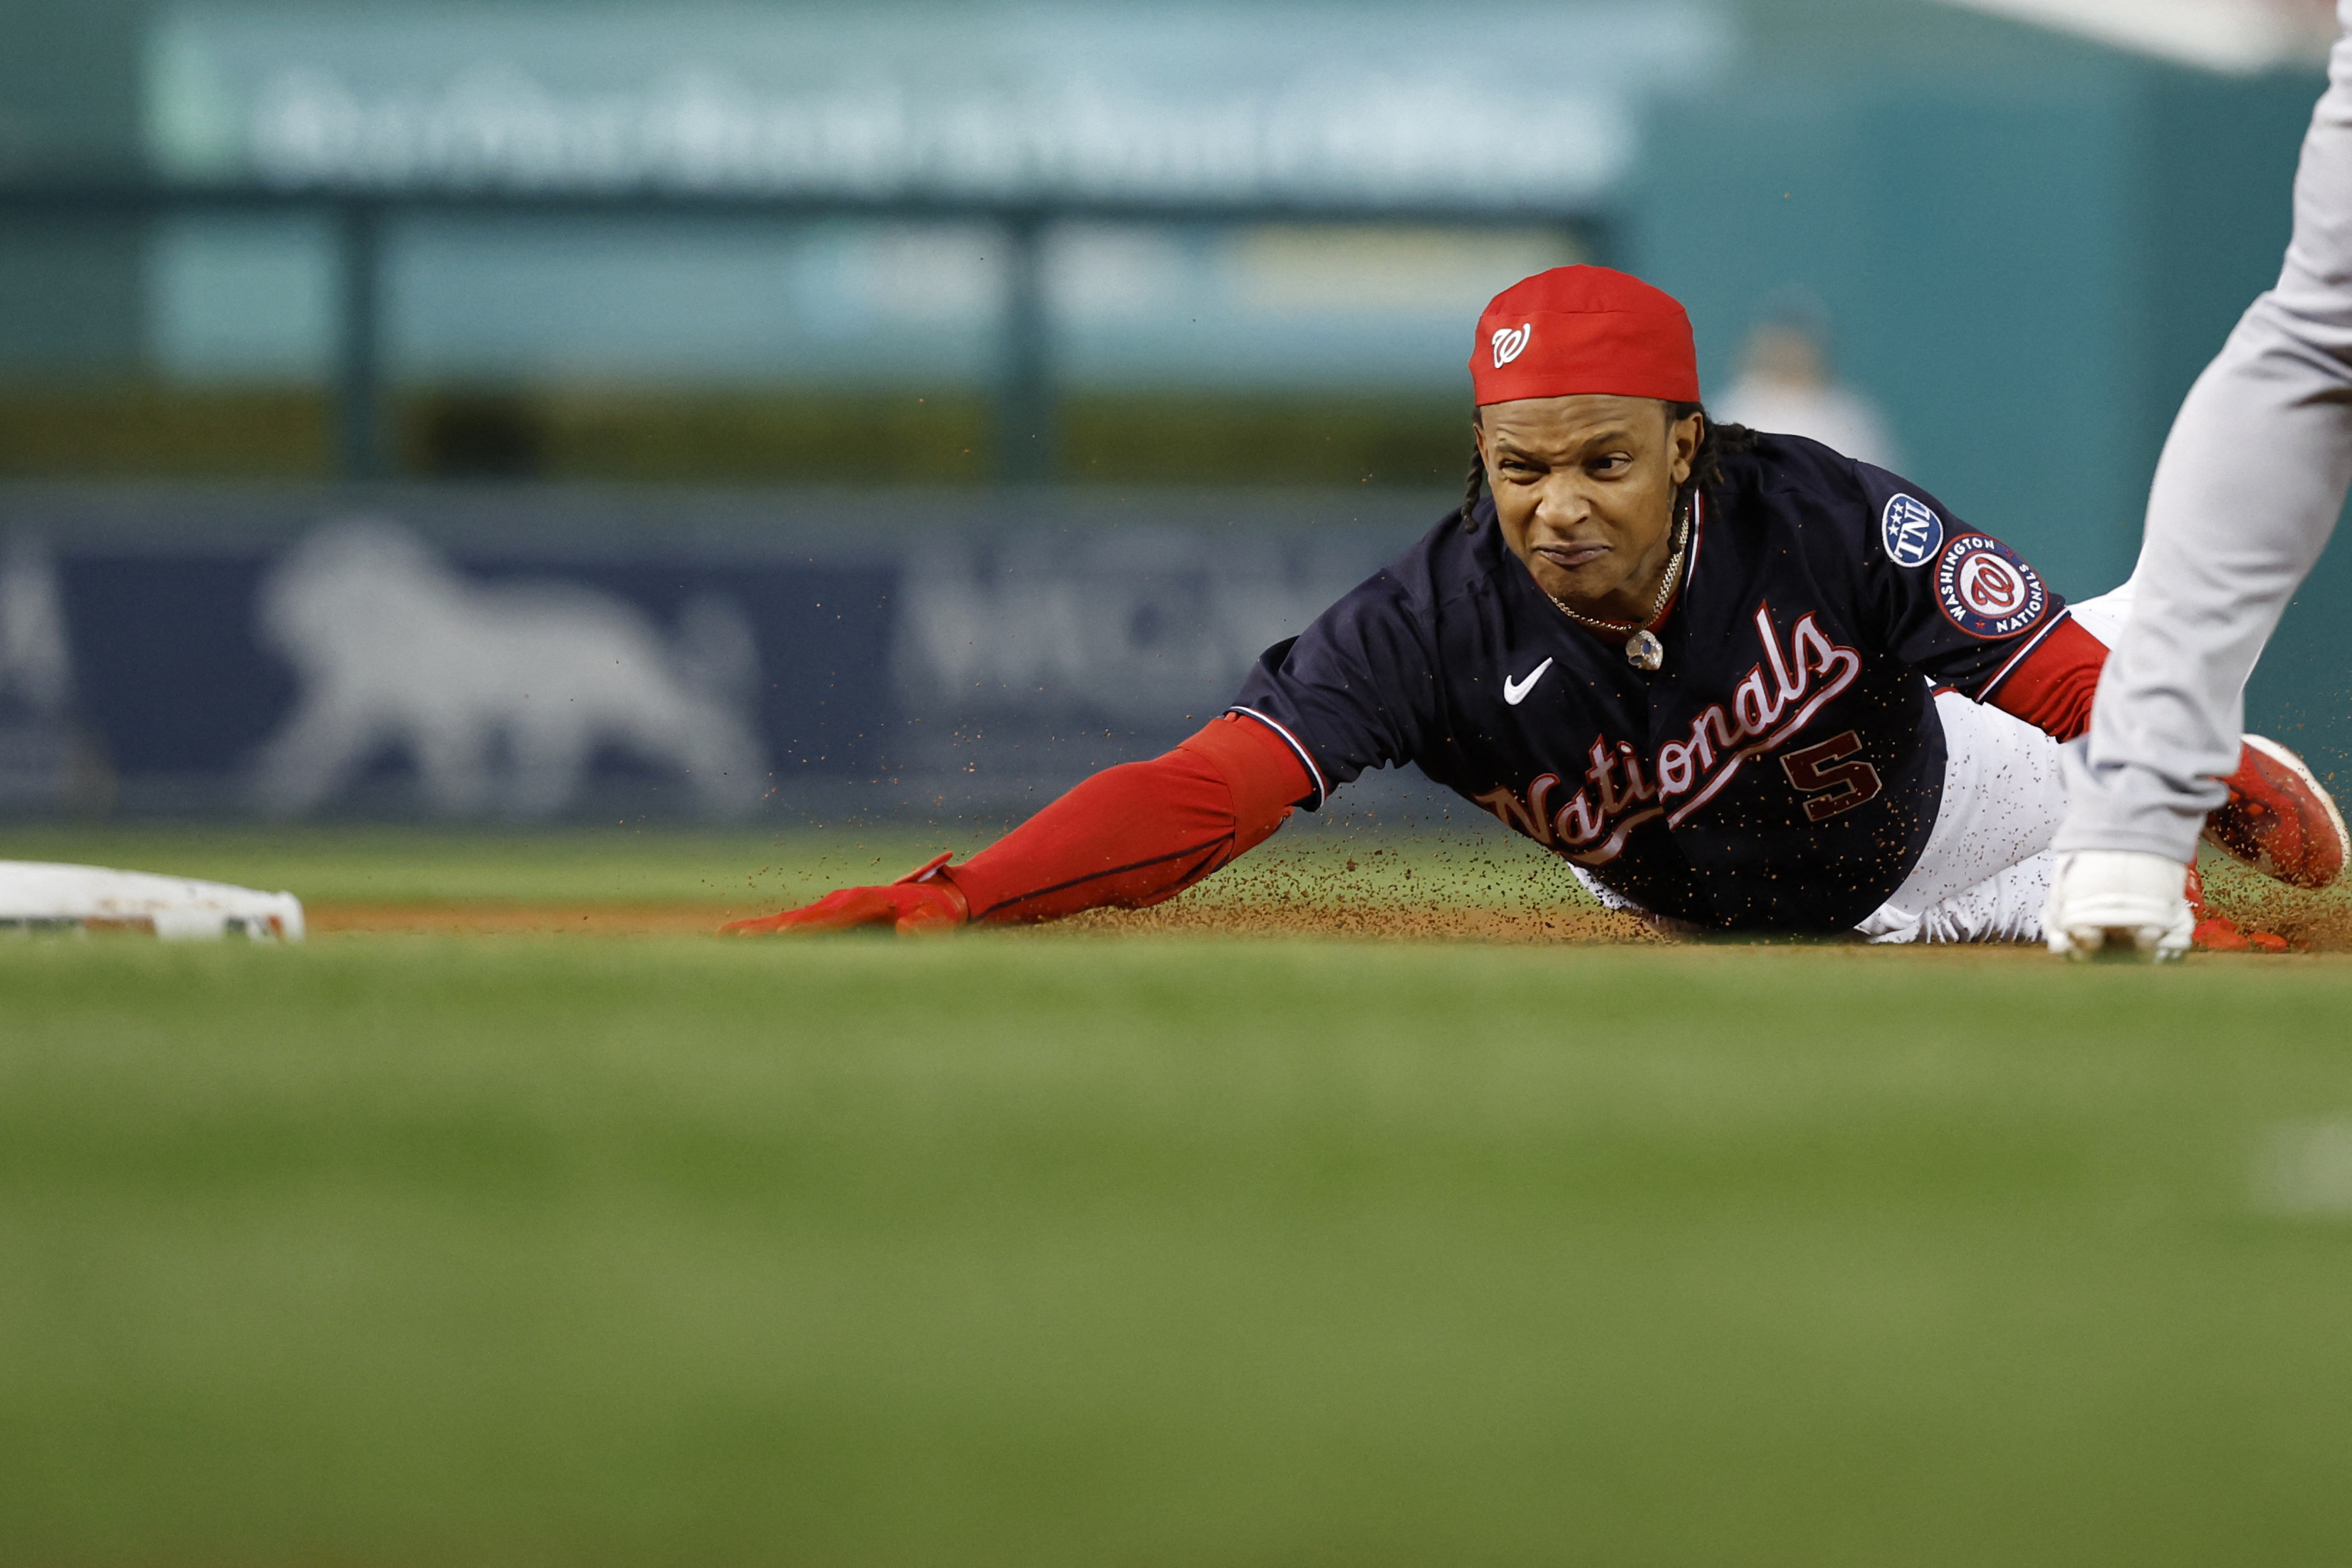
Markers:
2279,819
2217,933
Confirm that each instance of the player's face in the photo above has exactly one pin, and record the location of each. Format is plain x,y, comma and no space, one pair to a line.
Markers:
1585,489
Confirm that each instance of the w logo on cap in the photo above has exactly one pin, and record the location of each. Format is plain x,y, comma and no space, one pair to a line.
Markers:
1510,342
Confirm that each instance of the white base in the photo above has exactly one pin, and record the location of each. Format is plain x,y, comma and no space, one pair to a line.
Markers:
37,895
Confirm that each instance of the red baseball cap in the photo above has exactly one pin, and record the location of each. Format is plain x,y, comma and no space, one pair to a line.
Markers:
1584,330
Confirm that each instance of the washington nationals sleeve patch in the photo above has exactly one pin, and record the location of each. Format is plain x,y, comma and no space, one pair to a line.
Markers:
1986,590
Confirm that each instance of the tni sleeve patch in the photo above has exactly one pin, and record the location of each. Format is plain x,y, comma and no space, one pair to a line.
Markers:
1911,530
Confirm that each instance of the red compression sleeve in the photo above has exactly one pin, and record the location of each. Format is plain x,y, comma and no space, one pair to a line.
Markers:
1134,835
2051,687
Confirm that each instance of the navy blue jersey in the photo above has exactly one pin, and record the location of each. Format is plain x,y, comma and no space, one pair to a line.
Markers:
1781,770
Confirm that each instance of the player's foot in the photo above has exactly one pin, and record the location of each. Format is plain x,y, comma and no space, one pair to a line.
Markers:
2119,903
2279,819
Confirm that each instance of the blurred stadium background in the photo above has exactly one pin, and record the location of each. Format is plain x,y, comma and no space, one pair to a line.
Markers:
934,402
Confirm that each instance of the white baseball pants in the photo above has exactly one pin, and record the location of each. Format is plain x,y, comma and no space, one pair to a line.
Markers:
2245,496
1987,870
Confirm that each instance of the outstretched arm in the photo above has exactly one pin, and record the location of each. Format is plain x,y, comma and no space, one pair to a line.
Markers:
1127,837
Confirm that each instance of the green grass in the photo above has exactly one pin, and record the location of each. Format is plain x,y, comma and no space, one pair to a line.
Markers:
435,865
623,864
1005,1252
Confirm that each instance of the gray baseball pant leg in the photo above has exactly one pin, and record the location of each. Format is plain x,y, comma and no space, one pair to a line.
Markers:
2246,493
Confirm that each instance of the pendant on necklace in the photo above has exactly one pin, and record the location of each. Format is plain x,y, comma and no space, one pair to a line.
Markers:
1644,651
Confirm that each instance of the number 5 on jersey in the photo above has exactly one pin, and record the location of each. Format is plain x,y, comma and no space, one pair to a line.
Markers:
1832,788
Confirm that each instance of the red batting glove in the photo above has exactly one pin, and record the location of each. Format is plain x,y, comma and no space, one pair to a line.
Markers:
921,901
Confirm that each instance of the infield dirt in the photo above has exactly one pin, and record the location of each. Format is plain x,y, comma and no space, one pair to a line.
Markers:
1282,900
1566,923
1460,883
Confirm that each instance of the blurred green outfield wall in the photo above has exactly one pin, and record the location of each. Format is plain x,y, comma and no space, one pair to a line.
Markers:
2028,272
71,292
2029,247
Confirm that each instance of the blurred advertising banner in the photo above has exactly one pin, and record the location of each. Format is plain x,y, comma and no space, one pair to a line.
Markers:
527,656
1516,102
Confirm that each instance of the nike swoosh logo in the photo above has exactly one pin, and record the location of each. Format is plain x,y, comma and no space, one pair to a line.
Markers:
1515,692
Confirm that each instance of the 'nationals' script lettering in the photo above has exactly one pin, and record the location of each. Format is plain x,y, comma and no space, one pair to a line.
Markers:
1777,697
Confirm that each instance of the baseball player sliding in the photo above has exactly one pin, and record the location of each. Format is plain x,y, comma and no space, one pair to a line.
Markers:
1738,682
2246,494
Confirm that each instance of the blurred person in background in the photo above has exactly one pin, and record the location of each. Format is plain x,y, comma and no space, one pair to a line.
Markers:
1738,682
1788,386
2246,494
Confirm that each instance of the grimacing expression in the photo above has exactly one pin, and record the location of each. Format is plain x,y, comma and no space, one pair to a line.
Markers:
1584,489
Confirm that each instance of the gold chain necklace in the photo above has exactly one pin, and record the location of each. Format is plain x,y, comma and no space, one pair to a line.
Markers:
1643,649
